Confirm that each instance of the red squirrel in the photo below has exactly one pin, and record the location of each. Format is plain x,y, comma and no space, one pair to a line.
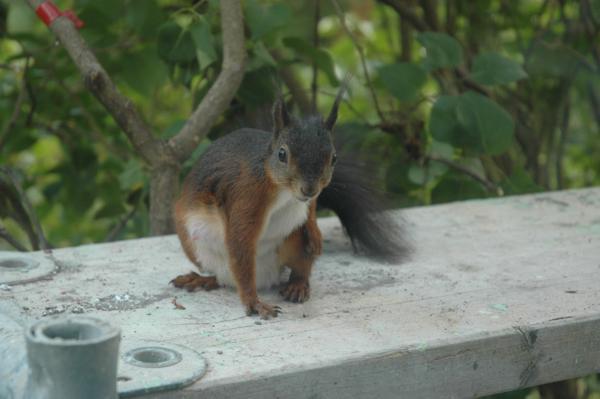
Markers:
249,207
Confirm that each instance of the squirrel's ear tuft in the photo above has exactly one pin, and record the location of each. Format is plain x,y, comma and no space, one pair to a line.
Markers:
330,122
281,118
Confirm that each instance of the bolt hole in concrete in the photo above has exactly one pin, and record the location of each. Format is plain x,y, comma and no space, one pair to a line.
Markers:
72,332
152,357
13,263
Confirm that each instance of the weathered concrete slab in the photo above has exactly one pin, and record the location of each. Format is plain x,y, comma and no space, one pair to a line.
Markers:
499,294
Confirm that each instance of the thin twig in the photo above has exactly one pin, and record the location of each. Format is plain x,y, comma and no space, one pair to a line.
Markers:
406,39
115,231
6,236
361,54
430,11
407,13
450,17
490,186
35,223
463,75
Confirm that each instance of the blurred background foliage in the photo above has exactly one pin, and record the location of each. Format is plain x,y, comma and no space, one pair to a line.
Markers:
450,100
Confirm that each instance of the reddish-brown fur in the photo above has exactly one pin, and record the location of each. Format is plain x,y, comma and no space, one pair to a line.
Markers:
244,220
299,251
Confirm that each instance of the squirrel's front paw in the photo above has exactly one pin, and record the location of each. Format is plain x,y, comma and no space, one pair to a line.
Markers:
264,310
296,291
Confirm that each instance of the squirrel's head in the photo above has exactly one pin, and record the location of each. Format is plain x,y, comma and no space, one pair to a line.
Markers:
302,155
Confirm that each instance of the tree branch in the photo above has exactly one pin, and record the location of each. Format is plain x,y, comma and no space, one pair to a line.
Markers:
25,214
222,91
430,11
99,83
406,40
4,234
164,158
361,54
450,17
120,226
407,13
490,186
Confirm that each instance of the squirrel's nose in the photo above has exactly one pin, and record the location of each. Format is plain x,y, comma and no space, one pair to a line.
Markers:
311,192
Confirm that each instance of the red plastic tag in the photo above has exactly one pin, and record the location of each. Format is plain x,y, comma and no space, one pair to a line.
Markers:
48,12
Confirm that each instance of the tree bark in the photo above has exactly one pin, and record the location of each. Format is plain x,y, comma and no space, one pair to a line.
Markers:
163,158
164,186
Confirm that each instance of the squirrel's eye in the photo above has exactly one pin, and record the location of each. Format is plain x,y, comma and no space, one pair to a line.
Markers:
282,155
333,159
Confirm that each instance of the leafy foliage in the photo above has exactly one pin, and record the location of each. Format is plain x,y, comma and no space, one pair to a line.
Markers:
509,94
493,69
472,122
442,51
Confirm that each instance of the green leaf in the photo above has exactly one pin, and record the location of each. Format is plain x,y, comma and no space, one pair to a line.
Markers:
520,182
440,149
204,42
260,57
492,124
143,17
443,121
264,20
321,57
132,175
403,80
20,18
397,178
443,51
455,187
548,59
494,69
421,175
99,16
154,73
175,45
472,122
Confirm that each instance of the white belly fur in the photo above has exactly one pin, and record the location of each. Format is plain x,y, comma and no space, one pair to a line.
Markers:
207,233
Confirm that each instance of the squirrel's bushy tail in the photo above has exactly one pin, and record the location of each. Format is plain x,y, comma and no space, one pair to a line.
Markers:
362,211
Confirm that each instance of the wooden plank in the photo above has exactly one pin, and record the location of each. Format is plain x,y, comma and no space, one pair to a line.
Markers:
478,366
499,294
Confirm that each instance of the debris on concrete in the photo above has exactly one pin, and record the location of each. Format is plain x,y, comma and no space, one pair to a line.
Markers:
177,305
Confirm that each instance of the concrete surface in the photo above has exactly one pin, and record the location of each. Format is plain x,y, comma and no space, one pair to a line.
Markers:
500,294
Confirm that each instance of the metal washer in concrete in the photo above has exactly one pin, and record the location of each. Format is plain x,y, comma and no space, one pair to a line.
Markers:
151,366
18,268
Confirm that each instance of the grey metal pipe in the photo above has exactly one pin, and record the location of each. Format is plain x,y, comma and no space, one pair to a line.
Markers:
72,358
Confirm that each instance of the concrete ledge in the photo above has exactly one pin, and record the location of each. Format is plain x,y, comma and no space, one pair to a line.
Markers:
500,294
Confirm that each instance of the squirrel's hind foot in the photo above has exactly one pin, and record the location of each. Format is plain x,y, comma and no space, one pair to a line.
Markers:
193,281
264,310
295,291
